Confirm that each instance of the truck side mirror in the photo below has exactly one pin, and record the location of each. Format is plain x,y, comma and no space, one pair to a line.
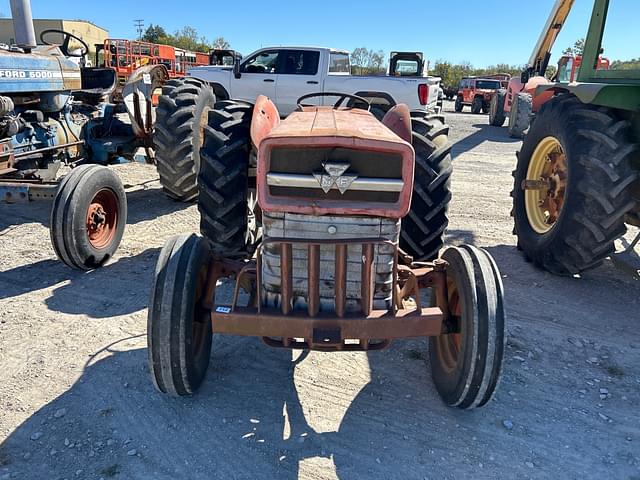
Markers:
236,67
524,76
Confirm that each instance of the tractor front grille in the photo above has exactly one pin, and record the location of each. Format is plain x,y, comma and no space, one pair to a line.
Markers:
299,232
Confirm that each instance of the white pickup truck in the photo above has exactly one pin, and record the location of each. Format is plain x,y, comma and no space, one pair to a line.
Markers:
284,74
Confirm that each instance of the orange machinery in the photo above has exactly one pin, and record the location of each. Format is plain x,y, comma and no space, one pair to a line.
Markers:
126,56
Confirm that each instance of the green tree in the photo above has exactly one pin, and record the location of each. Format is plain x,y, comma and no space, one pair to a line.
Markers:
154,34
220,43
365,61
186,38
360,59
577,49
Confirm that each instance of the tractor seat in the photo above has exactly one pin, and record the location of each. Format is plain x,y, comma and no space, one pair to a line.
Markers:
97,85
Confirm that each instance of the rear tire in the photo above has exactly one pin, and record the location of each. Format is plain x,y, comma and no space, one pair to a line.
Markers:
458,105
179,331
598,192
476,105
466,366
496,109
226,204
88,217
424,227
180,119
520,114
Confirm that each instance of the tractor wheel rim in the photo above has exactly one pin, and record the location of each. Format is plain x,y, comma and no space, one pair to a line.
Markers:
545,185
102,218
451,344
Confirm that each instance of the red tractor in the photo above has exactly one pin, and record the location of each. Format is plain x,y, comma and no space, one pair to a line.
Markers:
477,93
519,100
335,252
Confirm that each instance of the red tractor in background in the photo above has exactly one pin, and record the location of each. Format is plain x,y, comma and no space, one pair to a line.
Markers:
519,100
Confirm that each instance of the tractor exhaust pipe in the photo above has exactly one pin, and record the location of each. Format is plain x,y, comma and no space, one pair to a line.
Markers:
23,24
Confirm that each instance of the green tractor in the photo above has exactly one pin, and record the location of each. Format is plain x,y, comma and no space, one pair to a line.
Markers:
577,180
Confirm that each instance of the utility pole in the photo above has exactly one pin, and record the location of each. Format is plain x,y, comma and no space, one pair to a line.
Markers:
139,24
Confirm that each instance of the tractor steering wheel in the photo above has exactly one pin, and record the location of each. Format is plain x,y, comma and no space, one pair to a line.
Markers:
341,98
64,47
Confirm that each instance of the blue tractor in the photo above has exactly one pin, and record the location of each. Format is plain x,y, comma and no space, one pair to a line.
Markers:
53,113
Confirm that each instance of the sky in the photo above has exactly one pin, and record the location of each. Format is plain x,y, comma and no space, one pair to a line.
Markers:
486,34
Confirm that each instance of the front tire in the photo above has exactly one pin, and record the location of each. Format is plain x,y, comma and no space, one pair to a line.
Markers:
466,366
571,226
424,227
180,119
520,114
476,105
496,109
88,217
179,331
458,105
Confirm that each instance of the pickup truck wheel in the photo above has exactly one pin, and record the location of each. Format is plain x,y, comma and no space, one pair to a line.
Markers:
180,119
227,208
458,105
519,114
476,105
496,109
485,107
179,332
424,227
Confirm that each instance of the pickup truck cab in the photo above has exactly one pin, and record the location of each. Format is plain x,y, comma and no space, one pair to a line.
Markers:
284,74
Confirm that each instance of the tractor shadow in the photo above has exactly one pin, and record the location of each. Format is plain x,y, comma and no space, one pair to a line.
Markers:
253,416
456,237
245,422
575,303
14,214
109,291
482,133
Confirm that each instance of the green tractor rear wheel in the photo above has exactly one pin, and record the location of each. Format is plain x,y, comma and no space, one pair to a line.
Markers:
572,185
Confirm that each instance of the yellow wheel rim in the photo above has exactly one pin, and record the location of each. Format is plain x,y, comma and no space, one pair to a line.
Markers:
545,185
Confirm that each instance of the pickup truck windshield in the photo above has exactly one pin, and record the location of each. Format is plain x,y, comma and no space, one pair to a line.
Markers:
488,84
339,63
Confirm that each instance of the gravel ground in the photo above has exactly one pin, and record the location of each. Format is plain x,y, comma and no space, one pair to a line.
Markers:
77,400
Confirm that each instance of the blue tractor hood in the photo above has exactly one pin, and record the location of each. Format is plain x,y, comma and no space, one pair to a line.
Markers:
37,72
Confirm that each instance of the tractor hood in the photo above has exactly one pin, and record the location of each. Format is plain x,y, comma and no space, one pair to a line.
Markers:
324,161
34,72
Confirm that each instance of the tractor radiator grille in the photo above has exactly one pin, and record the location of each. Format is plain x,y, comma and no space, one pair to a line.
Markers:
308,228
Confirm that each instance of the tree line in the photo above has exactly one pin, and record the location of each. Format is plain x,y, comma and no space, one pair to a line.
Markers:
186,38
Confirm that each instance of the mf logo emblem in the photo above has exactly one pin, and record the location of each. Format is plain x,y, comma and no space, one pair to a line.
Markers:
334,175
